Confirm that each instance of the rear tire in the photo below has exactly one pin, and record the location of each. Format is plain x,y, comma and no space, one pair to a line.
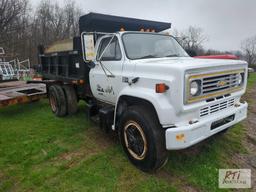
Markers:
143,138
71,99
57,100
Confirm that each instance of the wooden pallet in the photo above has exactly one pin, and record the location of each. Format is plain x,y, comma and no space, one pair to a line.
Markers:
17,92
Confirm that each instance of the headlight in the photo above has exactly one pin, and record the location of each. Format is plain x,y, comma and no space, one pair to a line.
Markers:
195,88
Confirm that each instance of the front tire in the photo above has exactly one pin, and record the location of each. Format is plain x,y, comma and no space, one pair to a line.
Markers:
143,138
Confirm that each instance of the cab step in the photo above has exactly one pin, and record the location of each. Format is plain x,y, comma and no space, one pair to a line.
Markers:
106,117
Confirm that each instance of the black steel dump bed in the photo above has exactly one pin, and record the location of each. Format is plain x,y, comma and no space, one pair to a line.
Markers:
63,61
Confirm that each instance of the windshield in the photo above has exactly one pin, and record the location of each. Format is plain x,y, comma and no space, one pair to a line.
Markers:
147,45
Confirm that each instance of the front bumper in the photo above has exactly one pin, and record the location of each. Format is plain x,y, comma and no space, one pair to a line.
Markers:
185,136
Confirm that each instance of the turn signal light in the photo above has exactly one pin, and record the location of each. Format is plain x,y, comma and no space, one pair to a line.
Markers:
180,137
161,88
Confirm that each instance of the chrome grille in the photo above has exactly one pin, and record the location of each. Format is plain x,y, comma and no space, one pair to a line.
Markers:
214,85
219,83
217,107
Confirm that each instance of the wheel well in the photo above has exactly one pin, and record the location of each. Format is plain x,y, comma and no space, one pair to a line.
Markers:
127,101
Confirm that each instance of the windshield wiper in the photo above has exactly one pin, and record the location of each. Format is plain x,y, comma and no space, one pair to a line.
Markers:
173,55
147,57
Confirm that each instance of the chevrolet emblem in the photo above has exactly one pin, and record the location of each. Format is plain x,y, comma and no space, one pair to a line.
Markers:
221,83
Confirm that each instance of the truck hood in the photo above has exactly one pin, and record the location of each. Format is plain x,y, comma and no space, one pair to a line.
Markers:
185,63
172,71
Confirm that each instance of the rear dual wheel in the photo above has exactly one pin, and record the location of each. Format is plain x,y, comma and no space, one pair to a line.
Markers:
63,100
71,99
57,100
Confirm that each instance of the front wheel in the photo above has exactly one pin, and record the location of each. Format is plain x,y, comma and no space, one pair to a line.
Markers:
142,138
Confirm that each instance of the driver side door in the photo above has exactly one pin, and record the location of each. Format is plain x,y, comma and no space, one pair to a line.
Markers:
106,76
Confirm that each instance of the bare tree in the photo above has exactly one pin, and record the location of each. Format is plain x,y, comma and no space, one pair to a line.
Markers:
191,39
21,32
53,22
249,48
12,13
72,14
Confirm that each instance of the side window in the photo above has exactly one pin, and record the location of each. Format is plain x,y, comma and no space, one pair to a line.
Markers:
112,53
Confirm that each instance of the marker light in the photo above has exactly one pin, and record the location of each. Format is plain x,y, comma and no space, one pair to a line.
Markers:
161,88
81,82
180,137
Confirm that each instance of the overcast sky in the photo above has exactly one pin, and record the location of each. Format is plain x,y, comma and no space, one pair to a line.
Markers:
225,22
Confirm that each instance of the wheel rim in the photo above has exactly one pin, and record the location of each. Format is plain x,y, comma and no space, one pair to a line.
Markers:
135,140
53,103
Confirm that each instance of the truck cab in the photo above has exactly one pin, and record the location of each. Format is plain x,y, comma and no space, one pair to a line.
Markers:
143,85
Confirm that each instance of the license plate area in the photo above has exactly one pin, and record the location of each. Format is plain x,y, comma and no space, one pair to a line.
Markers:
222,122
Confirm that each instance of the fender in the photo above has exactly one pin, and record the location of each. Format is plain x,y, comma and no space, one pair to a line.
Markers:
164,109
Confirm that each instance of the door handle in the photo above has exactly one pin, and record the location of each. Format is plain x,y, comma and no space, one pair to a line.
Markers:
111,76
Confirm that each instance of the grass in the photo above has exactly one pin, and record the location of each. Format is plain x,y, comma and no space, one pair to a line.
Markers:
39,152
251,80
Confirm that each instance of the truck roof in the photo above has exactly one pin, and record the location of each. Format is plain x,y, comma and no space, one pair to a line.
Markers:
95,22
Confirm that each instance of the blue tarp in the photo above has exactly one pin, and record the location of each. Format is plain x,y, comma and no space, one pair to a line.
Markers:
95,22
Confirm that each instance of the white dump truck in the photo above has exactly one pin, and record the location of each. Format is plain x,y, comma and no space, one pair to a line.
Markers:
141,83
